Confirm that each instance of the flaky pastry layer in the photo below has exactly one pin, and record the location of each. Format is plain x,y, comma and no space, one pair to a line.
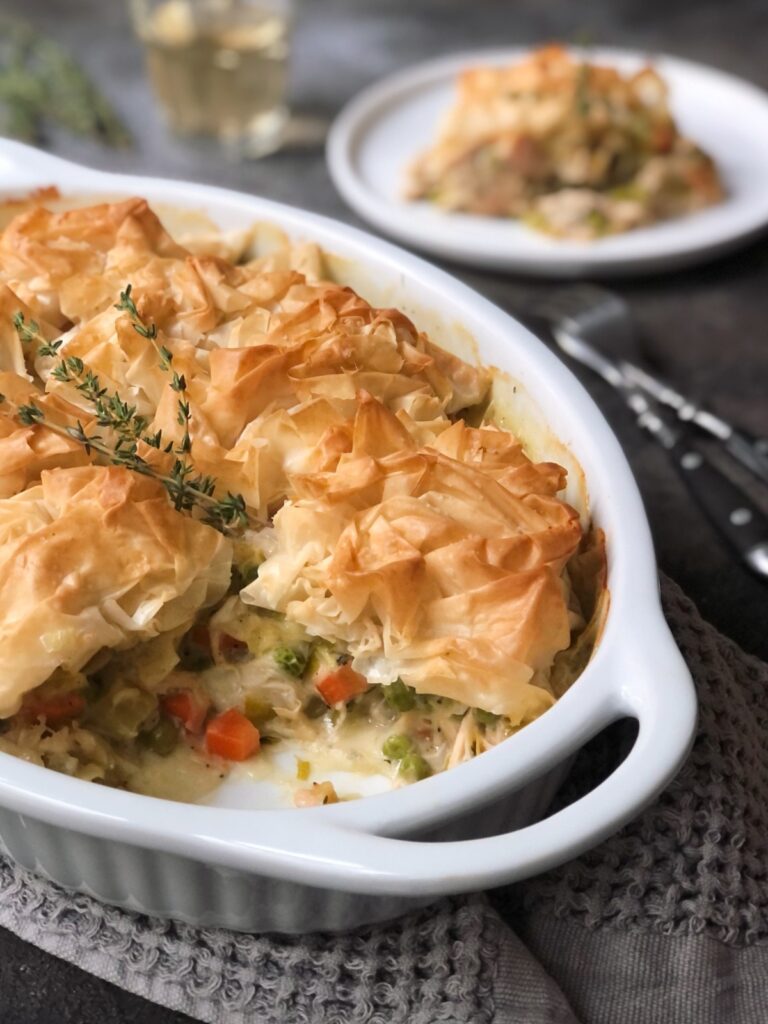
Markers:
434,550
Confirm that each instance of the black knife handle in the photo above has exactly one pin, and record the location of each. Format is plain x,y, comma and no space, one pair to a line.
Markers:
743,525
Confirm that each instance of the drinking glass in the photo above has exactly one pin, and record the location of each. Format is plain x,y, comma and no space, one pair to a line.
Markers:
219,68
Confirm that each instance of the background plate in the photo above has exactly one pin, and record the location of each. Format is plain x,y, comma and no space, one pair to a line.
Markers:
385,126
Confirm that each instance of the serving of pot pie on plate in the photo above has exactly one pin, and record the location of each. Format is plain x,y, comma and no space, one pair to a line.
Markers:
242,511
574,149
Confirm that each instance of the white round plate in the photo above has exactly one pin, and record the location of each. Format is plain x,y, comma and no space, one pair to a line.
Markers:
379,132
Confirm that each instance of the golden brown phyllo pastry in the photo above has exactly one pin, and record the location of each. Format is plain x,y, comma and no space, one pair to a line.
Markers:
240,505
440,565
96,557
576,149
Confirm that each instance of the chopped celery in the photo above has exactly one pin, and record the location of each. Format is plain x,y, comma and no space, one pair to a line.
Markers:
396,747
258,711
321,660
486,717
413,766
123,711
399,696
263,633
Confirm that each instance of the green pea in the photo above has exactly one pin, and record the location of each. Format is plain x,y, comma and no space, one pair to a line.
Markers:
162,739
399,696
292,660
413,766
395,747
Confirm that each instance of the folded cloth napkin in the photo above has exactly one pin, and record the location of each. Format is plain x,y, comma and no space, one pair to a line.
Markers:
666,922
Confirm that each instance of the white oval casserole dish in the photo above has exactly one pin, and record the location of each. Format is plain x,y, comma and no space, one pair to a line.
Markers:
472,827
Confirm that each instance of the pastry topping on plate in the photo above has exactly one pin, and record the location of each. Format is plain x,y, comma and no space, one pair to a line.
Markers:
574,149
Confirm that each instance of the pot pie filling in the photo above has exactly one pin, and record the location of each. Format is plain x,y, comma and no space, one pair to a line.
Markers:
242,511
575,149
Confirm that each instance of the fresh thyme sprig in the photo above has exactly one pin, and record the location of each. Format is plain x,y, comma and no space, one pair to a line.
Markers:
227,514
148,331
178,381
186,488
31,332
111,410
42,88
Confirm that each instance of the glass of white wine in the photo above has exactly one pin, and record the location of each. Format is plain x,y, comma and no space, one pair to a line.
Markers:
219,68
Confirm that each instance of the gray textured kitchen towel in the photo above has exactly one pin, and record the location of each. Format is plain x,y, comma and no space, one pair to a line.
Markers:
665,923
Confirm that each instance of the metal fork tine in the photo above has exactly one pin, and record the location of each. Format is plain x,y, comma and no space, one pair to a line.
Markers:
579,302
587,310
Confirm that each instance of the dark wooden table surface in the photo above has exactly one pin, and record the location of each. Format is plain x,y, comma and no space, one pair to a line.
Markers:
705,328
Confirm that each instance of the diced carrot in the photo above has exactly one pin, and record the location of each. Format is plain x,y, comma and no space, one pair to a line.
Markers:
342,685
188,707
55,709
232,736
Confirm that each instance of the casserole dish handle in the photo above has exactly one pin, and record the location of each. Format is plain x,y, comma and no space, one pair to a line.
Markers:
657,692
642,676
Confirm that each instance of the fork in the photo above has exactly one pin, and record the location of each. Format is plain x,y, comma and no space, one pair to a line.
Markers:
606,319
583,323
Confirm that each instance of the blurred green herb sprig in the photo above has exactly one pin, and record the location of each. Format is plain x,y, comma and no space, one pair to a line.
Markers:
42,87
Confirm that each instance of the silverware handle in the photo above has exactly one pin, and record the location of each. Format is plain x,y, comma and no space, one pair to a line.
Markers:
746,448
736,517
750,451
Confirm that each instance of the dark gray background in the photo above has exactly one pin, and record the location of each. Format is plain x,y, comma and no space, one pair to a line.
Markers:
706,328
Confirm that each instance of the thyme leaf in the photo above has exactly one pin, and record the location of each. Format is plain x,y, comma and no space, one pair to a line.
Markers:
187,489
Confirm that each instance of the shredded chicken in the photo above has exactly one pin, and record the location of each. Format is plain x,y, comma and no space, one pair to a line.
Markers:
318,794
